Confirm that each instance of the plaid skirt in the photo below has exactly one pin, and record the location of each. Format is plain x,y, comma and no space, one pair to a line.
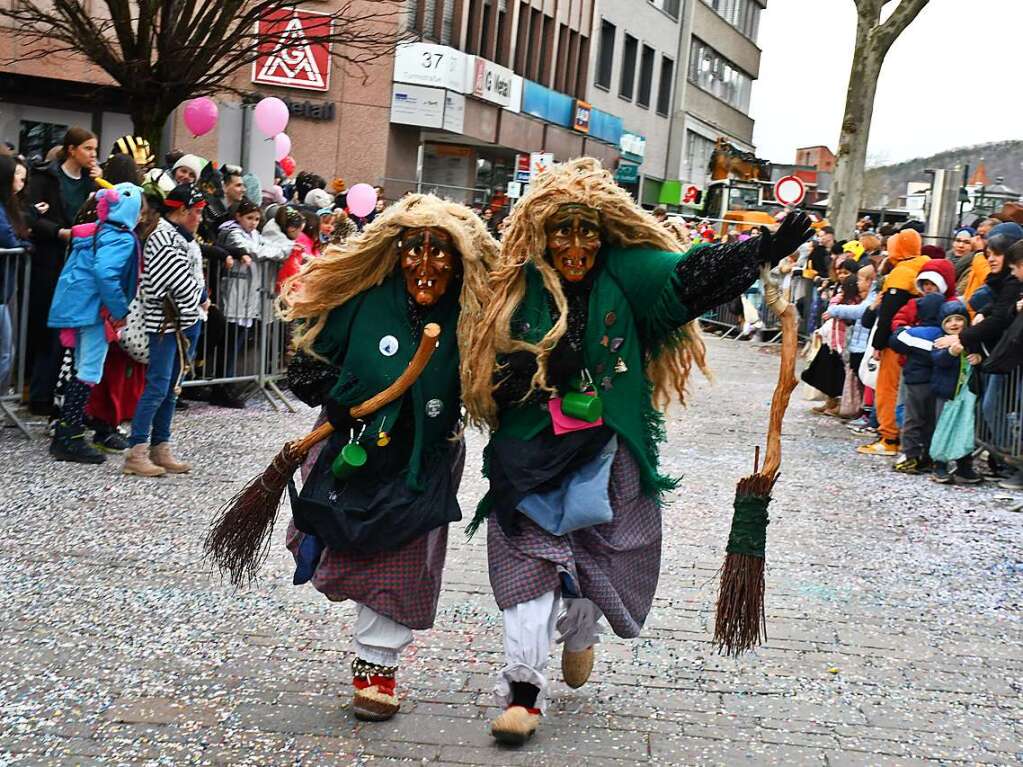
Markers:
403,584
615,565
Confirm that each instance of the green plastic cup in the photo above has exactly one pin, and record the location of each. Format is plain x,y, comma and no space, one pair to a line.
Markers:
585,407
351,458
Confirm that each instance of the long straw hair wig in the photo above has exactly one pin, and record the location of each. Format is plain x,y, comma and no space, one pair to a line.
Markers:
367,259
623,224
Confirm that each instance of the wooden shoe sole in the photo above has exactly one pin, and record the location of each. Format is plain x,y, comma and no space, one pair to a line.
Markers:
576,666
515,726
371,705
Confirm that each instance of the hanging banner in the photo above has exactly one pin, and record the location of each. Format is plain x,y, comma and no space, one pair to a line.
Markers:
287,57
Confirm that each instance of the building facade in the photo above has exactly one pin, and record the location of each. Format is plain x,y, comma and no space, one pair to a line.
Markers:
487,92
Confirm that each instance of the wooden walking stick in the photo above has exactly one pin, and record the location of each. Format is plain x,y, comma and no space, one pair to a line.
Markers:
741,623
238,541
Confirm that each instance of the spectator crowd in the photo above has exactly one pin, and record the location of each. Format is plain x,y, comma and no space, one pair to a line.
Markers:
144,274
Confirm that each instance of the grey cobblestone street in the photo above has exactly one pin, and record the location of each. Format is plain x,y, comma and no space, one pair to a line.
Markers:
895,615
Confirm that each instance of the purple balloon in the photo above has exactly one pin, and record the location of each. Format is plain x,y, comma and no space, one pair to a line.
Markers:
271,116
282,146
200,115
362,198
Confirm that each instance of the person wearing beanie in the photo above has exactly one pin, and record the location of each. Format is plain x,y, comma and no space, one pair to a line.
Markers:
944,379
319,198
916,344
936,276
961,253
187,169
982,337
898,288
932,251
855,250
999,239
171,274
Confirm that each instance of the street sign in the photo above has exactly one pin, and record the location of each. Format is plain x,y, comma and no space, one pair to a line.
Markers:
789,190
539,162
286,56
522,172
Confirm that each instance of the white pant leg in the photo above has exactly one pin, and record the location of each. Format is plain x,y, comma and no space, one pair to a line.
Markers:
579,625
528,633
378,639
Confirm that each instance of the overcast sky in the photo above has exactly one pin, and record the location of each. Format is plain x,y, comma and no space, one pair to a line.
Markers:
934,85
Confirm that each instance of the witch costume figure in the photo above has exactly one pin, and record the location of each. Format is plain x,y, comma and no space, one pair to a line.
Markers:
370,522
589,334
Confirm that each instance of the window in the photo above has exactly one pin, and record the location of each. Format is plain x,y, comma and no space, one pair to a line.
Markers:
664,86
670,7
715,74
744,15
698,151
628,84
606,54
646,76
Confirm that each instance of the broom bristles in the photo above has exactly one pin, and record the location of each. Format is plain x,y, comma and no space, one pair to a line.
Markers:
741,623
239,538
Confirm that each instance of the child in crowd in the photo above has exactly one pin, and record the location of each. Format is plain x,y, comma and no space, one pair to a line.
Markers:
916,344
954,317
860,293
282,232
245,287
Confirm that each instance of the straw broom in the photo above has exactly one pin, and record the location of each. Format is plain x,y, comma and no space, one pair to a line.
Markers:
238,541
741,624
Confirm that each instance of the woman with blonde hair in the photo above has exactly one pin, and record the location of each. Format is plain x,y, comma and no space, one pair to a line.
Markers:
370,523
589,333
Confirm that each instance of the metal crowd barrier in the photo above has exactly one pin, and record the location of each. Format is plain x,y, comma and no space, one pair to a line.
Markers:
244,341
999,421
15,281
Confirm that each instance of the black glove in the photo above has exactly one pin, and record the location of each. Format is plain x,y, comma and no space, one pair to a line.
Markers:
795,229
338,415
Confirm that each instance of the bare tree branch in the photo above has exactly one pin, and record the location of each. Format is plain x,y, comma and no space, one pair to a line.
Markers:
901,18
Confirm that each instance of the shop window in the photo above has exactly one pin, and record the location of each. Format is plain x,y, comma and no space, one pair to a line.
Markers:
646,76
605,56
698,151
670,7
715,74
35,139
628,84
664,86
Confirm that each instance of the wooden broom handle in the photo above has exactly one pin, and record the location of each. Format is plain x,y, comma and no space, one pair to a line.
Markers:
786,374
427,345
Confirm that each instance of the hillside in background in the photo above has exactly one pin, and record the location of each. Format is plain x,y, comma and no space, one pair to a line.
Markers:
1001,158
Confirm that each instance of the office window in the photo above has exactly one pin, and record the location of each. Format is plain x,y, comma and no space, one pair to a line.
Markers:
715,74
670,7
744,15
698,151
664,86
606,54
646,76
628,83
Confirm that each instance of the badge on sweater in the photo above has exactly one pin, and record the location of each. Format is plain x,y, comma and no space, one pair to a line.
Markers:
434,407
388,346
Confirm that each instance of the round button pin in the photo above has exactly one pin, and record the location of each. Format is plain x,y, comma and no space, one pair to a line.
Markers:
388,346
609,318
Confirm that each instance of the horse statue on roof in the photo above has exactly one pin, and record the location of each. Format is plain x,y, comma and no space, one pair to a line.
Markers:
728,161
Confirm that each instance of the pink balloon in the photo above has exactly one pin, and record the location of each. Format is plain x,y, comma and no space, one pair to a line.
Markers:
361,198
201,115
282,146
271,116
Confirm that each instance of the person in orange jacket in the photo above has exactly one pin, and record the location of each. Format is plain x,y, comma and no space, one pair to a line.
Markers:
898,288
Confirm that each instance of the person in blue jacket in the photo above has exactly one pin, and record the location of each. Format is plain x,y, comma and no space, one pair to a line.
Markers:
916,344
90,305
945,377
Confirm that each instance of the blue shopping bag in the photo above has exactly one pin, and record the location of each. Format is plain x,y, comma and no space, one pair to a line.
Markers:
954,433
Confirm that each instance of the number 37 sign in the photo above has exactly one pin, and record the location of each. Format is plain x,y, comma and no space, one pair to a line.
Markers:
434,65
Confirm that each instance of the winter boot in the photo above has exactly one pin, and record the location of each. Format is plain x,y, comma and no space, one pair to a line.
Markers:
69,444
136,461
375,698
941,473
881,447
161,455
964,473
109,440
1014,482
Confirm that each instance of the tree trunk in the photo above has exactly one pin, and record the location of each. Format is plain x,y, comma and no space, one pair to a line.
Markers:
847,184
149,116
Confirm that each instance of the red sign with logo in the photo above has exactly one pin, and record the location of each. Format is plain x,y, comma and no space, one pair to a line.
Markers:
289,55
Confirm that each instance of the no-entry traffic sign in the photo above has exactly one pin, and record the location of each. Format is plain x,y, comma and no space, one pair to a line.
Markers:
789,190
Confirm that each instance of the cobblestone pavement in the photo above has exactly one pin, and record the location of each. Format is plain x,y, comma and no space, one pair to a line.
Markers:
894,613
